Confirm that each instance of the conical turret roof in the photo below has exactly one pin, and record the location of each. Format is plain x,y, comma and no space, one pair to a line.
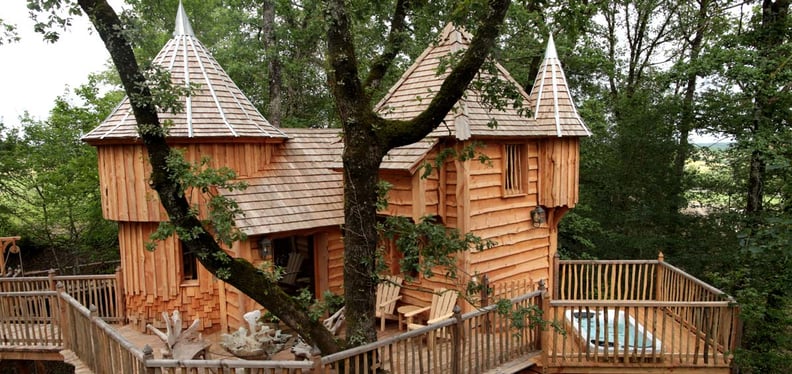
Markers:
471,116
216,109
552,105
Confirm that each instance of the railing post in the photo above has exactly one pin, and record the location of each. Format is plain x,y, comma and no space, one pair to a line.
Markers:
556,275
543,338
63,317
51,277
540,303
485,301
148,354
659,276
120,300
456,341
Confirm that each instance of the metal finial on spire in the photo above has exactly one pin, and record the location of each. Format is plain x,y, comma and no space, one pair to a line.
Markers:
183,26
551,49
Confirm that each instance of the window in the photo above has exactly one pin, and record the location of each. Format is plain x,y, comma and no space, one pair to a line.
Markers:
189,265
512,169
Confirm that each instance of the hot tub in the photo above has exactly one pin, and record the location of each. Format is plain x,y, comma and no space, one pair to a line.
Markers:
605,331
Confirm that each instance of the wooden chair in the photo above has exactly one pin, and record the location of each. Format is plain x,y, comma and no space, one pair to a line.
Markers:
442,308
292,269
387,296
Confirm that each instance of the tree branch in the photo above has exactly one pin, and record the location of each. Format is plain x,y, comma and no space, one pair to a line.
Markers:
393,45
407,132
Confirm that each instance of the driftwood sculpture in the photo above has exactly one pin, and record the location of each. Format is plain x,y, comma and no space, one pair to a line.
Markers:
259,342
181,344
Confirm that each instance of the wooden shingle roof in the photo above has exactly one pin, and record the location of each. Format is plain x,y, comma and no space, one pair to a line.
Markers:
471,116
302,187
216,109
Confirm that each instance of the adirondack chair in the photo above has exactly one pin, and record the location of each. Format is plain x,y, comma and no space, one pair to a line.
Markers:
292,269
387,296
442,308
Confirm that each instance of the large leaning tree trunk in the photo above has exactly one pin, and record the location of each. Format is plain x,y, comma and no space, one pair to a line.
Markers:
245,276
368,137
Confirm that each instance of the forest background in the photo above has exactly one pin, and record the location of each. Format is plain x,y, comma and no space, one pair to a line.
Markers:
646,75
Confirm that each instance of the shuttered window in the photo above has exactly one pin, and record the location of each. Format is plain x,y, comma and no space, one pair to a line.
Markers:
513,169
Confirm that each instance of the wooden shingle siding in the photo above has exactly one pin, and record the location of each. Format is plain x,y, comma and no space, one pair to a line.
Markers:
124,172
558,175
152,280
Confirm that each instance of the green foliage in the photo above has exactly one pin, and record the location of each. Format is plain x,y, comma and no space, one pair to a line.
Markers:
760,279
428,245
49,186
469,152
220,210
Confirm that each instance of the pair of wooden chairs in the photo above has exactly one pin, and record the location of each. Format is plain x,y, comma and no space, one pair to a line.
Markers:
442,306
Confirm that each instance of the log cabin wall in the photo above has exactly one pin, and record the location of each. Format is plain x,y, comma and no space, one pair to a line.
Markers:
503,215
124,171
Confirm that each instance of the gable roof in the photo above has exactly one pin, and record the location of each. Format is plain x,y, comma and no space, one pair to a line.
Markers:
302,187
216,109
471,116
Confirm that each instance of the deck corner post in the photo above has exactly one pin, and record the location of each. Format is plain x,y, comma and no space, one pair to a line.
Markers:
456,339
63,317
51,278
317,364
659,276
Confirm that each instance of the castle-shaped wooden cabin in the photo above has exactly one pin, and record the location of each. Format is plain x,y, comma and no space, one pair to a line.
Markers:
294,203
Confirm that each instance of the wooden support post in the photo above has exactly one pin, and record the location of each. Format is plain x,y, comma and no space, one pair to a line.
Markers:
63,318
540,302
659,275
543,339
456,341
148,354
556,277
51,278
485,288
120,299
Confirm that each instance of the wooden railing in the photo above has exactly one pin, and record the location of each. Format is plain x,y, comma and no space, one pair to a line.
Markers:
28,321
102,291
95,342
471,343
668,317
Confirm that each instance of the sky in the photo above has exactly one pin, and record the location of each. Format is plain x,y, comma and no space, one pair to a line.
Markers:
33,72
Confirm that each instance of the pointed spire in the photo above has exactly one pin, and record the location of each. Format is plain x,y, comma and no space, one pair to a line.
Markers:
551,49
183,27
553,104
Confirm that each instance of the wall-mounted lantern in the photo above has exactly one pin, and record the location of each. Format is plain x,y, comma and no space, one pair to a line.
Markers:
265,246
538,216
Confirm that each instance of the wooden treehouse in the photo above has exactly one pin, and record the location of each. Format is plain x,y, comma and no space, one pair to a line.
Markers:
294,201
612,316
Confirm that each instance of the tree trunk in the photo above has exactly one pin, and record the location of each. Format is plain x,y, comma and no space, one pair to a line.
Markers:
269,40
774,14
686,122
